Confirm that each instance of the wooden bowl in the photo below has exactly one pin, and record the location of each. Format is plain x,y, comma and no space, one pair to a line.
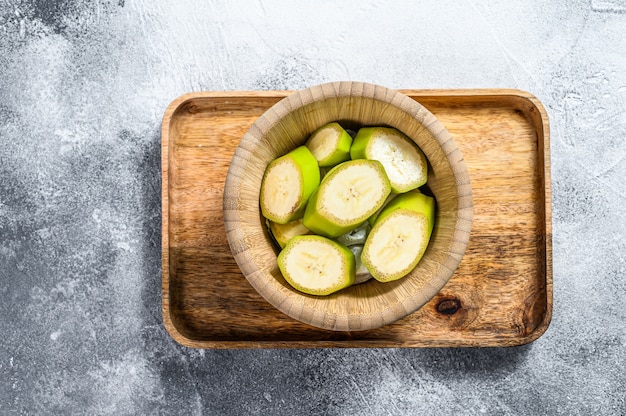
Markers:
287,125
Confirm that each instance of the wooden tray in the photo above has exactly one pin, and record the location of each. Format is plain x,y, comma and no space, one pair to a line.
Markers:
501,294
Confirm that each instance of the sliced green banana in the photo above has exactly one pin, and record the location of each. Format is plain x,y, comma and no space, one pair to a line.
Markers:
330,144
405,164
287,184
316,265
349,194
399,236
284,232
361,275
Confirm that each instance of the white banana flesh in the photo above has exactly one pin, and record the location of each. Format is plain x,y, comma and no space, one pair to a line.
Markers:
282,189
330,144
356,191
287,184
316,265
349,194
395,246
323,144
403,164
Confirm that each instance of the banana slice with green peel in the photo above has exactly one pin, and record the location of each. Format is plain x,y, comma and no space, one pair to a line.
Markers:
361,275
287,184
404,162
349,194
284,232
399,236
316,265
330,144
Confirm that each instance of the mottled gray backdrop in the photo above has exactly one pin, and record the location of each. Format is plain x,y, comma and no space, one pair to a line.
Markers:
83,87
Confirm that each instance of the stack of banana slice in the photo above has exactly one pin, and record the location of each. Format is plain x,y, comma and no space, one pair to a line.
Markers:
366,217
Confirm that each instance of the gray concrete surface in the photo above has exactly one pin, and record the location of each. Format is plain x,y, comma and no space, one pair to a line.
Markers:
83,87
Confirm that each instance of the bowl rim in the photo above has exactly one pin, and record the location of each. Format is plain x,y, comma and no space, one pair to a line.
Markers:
240,246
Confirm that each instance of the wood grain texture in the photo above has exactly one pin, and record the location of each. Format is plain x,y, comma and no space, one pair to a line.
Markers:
500,295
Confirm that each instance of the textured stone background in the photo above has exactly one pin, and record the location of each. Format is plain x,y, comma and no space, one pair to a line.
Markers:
83,87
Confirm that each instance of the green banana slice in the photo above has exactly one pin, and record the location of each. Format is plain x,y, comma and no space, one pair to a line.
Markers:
399,236
404,162
349,194
287,184
284,232
330,144
316,265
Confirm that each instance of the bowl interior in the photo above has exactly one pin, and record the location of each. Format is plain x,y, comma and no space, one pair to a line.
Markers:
287,125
